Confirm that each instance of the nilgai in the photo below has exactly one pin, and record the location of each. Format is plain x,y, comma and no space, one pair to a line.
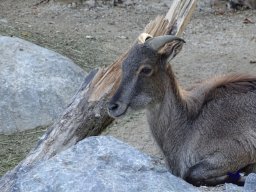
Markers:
207,134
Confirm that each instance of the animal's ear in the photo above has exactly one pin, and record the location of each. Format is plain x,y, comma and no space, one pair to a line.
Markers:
171,49
167,45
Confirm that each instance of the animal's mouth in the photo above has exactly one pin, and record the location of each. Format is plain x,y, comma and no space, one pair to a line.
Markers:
116,110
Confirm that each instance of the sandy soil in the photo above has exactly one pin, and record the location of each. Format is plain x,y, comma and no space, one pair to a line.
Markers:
216,44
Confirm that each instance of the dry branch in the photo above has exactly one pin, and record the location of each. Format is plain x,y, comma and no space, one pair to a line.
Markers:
87,115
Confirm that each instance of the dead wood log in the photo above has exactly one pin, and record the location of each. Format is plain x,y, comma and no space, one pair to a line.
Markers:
87,114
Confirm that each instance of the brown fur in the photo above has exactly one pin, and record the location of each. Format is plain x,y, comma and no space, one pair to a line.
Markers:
214,88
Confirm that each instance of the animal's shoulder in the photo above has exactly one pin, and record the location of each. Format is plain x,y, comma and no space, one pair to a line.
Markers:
218,87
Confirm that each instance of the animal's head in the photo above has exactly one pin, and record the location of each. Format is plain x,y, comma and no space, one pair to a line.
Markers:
143,72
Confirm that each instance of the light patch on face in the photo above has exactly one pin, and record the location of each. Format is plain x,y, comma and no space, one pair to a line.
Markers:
140,102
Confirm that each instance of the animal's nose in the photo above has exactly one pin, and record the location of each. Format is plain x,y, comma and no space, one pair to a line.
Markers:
113,106
116,109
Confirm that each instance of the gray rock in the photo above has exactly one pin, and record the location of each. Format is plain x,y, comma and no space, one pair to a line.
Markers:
250,183
229,187
101,164
35,84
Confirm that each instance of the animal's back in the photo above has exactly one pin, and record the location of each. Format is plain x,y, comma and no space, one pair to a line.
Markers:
226,102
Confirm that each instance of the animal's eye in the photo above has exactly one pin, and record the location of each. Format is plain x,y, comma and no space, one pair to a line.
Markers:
146,71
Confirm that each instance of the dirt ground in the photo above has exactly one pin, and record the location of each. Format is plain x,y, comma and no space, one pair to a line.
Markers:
217,42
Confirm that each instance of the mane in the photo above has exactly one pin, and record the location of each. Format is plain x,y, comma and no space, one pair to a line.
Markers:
217,87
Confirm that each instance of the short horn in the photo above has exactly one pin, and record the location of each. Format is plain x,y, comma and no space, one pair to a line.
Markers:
157,42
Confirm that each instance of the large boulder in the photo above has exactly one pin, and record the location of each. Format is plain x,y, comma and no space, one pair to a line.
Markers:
229,187
36,84
250,183
100,164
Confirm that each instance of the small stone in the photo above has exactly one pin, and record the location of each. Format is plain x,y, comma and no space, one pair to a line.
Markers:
91,3
122,37
89,37
73,5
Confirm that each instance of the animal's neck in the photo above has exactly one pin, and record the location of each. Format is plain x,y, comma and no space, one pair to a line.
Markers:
169,117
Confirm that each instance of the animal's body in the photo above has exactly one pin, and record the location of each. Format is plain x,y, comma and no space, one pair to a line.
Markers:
204,133
211,132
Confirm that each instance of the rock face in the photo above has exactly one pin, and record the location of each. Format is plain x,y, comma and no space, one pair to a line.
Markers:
100,164
229,187
35,84
250,183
